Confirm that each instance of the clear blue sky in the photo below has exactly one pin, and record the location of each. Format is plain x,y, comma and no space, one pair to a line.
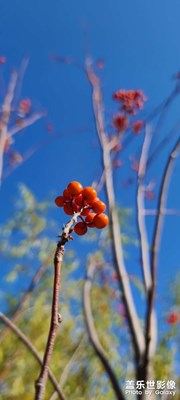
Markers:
139,42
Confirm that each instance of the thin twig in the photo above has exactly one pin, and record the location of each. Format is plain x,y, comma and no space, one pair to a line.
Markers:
6,112
134,325
68,366
32,150
26,122
32,349
156,244
39,273
93,333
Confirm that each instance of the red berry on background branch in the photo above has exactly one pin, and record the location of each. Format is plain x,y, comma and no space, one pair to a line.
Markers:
137,126
173,317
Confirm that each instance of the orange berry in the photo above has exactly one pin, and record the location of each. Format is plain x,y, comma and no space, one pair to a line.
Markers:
101,220
68,209
79,200
90,220
85,212
173,318
80,228
89,193
66,194
98,206
59,201
75,188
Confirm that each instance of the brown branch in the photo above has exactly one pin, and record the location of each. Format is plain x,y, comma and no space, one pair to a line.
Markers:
32,349
134,325
156,245
40,384
93,333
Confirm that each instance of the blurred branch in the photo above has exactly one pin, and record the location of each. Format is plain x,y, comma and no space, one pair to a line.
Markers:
134,325
140,207
38,275
32,349
6,112
156,245
68,366
32,150
144,246
93,333
166,211
21,73
26,122
168,137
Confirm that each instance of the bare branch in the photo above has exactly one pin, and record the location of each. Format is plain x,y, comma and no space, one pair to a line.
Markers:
140,208
26,122
6,111
134,325
68,366
93,333
32,349
156,243
144,245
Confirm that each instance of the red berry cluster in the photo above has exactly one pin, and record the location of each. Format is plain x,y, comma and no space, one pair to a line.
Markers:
131,101
75,199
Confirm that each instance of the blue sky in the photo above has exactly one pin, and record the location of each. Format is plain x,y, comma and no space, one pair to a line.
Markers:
139,42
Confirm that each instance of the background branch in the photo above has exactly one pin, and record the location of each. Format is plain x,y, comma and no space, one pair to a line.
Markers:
93,333
156,244
32,349
132,317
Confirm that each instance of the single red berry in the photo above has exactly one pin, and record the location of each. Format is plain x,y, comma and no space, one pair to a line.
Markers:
98,206
79,200
59,201
66,194
90,220
80,228
173,318
85,212
75,188
89,193
137,126
68,209
101,220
